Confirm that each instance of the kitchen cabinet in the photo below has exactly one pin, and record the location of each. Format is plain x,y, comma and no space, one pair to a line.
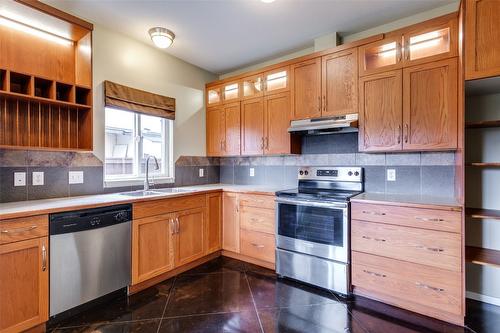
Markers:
381,112
24,284
213,96
277,80
213,238
252,86
277,140
223,130
231,92
340,83
252,127
231,223
215,131
189,235
482,39
306,88
381,56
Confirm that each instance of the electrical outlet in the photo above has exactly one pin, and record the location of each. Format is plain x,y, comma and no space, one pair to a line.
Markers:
391,175
252,172
37,178
201,172
19,178
76,177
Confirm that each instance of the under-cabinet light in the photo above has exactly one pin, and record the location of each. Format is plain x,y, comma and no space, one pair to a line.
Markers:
9,23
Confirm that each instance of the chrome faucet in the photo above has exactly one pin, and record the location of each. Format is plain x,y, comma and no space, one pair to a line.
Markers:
157,167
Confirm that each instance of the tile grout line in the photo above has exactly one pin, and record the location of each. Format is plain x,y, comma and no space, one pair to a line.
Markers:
253,302
349,311
166,304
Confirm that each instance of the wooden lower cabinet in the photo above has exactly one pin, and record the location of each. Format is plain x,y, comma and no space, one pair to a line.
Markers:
24,284
231,222
258,245
189,236
214,223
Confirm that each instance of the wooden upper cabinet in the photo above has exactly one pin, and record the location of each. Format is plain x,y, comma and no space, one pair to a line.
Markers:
380,56
430,99
231,92
214,96
340,83
380,114
213,238
190,235
482,39
252,127
215,131
232,126
24,284
252,86
276,124
306,89
277,80
230,222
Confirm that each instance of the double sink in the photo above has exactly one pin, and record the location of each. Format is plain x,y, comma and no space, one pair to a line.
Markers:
150,193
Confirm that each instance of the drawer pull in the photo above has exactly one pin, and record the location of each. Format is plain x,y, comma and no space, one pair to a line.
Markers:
426,286
253,219
374,274
18,230
259,246
426,219
375,239
373,213
44,258
433,249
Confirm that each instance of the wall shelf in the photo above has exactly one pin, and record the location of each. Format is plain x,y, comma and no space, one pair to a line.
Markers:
42,100
482,256
483,124
484,164
479,213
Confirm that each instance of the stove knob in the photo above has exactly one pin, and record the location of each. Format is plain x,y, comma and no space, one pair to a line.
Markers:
356,173
301,172
306,172
349,173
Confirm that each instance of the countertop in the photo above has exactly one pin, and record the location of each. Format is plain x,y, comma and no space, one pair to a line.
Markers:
419,201
46,206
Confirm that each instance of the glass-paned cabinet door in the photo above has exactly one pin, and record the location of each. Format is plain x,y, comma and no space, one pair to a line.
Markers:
380,56
252,86
214,95
277,80
231,92
430,43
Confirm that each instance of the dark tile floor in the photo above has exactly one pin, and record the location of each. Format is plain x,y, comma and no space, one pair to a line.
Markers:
226,295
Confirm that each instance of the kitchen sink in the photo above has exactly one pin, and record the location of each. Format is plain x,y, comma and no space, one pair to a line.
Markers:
173,190
141,193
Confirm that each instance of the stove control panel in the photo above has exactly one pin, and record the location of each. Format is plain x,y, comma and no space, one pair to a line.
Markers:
346,174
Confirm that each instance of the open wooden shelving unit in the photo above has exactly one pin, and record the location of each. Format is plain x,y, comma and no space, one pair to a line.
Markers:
484,164
479,213
483,124
482,256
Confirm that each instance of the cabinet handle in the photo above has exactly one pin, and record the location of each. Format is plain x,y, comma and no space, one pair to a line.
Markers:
433,249
374,274
221,145
262,143
426,219
375,239
44,258
178,226
407,50
18,230
324,103
406,133
373,213
399,51
399,134
426,286
259,246
172,226
319,104
267,142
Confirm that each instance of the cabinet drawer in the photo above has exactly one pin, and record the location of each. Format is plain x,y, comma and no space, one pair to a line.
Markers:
257,245
407,216
23,228
419,288
433,248
255,200
164,206
257,219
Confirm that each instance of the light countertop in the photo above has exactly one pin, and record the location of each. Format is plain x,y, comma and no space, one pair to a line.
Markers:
425,201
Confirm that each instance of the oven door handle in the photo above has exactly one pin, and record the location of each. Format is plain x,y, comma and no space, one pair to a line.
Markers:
311,203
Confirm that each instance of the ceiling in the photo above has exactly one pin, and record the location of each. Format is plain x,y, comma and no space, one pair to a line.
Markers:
223,35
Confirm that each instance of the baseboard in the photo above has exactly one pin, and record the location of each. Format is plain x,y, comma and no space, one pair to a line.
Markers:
483,298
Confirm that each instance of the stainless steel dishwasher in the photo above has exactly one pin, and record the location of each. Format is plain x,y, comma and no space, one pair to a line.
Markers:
90,255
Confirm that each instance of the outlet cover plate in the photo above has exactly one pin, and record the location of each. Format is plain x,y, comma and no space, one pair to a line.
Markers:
391,175
37,178
75,177
201,172
252,172
19,178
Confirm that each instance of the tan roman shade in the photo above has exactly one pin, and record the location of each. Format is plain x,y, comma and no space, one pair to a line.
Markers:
123,97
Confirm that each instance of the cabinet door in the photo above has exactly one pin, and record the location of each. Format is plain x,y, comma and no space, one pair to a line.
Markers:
190,232
252,127
252,86
277,122
482,39
340,83
381,56
214,223
380,112
215,131
306,89
430,97
230,222
214,96
24,288
231,92
152,247
277,80
232,124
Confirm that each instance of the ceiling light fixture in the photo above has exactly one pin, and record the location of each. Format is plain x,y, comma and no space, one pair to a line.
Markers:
161,37
267,1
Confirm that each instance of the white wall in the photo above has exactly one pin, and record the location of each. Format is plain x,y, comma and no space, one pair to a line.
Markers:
121,59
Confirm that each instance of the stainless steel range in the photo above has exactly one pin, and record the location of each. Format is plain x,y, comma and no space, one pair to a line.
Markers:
313,225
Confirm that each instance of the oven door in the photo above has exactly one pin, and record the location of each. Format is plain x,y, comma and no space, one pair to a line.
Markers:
316,228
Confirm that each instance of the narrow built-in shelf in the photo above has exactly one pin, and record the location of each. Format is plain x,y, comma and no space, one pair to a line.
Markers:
483,124
479,213
484,164
42,100
482,256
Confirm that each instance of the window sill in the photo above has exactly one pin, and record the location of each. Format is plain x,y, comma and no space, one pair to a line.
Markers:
108,183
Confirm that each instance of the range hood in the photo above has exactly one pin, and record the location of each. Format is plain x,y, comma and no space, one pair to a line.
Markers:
331,125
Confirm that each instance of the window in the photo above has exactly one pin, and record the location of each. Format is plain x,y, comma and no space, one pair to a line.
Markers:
130,139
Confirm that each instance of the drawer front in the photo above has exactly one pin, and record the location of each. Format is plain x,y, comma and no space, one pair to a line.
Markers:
434,219
412,286
255,200
15,230
257,245
165,206
257,219
433,248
